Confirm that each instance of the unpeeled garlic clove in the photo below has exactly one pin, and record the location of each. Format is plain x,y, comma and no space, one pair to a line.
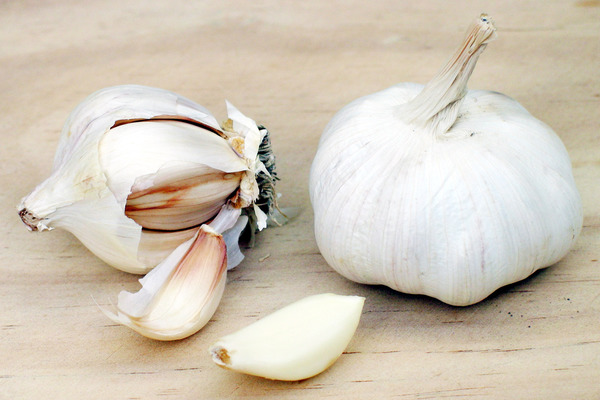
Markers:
296,342
166,187
181,294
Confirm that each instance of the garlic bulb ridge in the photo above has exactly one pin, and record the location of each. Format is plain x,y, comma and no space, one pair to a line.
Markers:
440,190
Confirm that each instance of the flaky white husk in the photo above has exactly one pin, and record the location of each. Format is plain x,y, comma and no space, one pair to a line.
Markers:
453,217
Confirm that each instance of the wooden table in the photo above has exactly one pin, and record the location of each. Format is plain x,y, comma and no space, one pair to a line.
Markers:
291,66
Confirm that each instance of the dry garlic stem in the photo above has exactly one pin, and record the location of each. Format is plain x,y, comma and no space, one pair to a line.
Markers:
296,342
436,107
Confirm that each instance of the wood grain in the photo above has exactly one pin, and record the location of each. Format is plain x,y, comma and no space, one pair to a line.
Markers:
291,66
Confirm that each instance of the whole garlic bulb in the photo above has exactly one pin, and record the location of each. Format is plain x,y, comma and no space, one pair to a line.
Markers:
440,190
138,170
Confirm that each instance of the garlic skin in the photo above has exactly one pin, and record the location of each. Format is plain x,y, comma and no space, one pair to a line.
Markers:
136,163
441,191
296,342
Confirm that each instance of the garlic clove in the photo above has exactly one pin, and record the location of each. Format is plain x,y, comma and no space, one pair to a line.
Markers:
181,294
169,145
181,197
296,342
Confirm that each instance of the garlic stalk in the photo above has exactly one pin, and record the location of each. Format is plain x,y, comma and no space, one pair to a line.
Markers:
139,169
440,190
296,342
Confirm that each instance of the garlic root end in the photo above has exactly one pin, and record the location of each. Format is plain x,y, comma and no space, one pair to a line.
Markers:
31,221
220,356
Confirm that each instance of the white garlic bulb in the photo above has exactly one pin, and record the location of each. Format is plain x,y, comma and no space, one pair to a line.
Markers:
440,190
139,169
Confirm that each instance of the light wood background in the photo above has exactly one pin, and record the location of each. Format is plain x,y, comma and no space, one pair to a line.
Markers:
291,65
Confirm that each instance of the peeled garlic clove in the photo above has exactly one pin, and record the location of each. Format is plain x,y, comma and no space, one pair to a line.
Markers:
132,158
181,294
296,342
440,190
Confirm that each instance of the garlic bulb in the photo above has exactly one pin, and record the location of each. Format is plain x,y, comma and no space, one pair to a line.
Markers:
139,169
440,190
296,342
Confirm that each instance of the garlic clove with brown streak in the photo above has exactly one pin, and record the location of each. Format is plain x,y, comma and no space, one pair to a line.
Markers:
181,294
440,190
165,187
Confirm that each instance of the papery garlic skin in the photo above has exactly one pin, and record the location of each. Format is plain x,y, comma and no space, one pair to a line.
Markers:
450,209
123,145
296,342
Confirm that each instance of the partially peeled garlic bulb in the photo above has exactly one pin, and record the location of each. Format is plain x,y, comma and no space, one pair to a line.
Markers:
440,190
148,181
296,342
138,170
